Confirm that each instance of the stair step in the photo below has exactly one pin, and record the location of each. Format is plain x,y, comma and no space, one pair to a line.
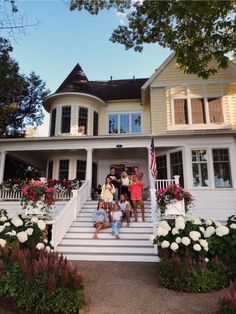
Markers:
88,222
123,230
106,242
102,235
89,219
112,258
89,214
105,249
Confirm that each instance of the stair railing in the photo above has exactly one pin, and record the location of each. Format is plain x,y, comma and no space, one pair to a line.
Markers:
62,222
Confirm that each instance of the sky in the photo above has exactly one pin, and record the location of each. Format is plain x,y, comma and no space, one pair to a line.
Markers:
64,38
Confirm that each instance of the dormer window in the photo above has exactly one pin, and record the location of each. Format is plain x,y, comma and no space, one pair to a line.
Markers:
124,123
65,119
83,120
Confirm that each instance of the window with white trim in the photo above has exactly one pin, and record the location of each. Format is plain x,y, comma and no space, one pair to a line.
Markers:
221,165
200,110
124,123
200,168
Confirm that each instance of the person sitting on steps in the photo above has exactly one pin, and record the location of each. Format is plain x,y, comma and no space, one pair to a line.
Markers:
125,208
116,217
100,219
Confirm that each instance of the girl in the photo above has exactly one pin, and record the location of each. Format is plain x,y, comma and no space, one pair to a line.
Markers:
125,208
116,216
100,219
125,182
108,190
136,189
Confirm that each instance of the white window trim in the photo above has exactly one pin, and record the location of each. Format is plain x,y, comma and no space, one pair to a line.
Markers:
191,125
208,162
130,126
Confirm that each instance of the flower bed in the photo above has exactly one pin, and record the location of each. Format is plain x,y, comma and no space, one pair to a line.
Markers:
33,276
196,254
173,194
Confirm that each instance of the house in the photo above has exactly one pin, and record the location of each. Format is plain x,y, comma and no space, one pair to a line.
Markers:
98,124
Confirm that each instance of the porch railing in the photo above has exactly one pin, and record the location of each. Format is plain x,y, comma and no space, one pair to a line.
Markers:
63,221
12,195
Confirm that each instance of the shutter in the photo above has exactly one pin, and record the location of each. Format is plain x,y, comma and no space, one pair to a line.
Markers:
215,110
198,112
180,111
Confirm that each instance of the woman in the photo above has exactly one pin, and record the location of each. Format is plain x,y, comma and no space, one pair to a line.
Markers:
100,219
136,189
125,208
116,217
108,190
125,183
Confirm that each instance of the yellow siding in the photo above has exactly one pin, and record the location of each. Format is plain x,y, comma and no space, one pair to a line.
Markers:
158,111
123,106
232,103
173,75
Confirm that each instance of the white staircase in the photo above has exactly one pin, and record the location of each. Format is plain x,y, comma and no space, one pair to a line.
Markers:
133,245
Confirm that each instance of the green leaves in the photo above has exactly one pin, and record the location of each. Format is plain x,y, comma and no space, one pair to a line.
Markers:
197,31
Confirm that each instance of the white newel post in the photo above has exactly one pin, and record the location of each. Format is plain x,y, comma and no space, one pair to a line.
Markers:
75,194
176,177
2,165
89,170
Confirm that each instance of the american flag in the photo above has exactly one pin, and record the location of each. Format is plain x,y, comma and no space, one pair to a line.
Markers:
153,166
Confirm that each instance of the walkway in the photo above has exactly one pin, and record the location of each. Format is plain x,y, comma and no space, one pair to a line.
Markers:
133,288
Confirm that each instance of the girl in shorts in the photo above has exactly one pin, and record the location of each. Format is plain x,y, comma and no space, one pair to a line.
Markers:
125,208
136,189
116,217
108,190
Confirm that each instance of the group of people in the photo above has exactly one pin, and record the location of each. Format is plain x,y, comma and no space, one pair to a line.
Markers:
120,195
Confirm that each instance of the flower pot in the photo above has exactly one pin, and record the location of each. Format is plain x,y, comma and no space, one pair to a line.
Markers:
175,208
36,208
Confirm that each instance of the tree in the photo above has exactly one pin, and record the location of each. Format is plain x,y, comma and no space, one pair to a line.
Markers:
21,96
197,31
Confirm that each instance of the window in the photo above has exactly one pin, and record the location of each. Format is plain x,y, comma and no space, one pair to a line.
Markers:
63,170
162,167
81,170
198,110
125,123
95,123
176,166
53,122
83,120
215,110
50,169
181,111
199,166
221,164
65,119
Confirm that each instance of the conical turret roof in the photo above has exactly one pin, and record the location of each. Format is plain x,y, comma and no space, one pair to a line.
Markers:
76,81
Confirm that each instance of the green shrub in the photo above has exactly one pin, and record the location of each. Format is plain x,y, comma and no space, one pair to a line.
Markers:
191,276
40,281
228,304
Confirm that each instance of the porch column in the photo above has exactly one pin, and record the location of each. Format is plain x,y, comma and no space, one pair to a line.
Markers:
89,169
2,165
151,181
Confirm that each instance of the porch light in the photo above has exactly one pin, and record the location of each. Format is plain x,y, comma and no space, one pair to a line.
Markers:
119,146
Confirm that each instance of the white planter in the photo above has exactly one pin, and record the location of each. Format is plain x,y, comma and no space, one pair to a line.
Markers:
176,208
38,209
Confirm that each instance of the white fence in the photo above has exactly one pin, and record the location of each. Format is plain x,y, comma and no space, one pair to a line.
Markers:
12,195
63,221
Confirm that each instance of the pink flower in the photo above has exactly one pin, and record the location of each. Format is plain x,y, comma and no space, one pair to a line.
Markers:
25,190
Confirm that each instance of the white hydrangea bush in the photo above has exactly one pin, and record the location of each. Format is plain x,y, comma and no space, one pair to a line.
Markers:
28,233
195,237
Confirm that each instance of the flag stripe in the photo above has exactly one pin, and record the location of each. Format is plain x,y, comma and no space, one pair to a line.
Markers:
153,166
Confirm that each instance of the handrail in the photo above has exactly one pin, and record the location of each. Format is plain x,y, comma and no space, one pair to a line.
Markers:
63,221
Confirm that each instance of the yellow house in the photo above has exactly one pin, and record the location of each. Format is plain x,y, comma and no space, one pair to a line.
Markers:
95,125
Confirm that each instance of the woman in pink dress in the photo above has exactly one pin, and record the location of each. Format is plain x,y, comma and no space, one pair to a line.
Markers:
136,189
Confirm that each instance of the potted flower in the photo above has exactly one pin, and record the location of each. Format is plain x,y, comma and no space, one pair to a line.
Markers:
37,198
173,200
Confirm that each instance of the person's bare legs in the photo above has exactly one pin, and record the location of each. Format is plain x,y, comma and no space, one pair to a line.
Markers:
99,226
142,209
135,210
